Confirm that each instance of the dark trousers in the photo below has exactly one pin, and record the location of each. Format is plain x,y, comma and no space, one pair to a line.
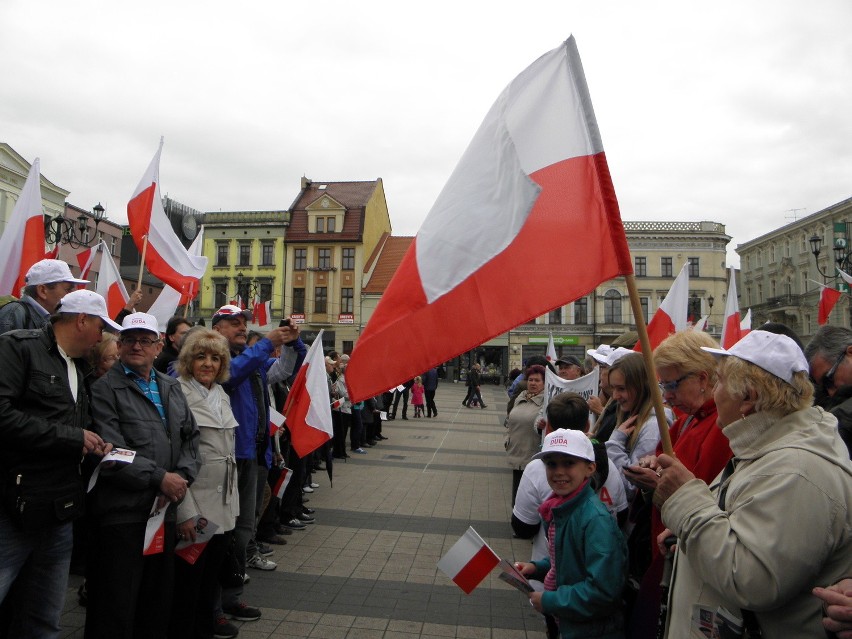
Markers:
195,595
431,409
339,438
130,596
356,431
404,395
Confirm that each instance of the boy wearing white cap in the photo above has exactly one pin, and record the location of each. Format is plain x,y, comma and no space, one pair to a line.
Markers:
47,282
585,571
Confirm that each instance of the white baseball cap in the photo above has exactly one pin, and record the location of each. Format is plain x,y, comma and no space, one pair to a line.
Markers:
50,271
228,311
567,442
774,353
140,322
87,302
619,353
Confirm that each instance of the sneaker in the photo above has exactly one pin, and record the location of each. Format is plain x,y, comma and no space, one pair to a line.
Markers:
372,443
259,562
360,451
305,519
276,539
242,612
307,489
308,511
263,549
314,484
295,524
281,530
224,629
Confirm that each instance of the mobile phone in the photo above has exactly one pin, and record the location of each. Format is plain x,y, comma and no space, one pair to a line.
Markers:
285,323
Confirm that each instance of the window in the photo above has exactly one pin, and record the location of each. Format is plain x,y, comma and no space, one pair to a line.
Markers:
267,254
320,225
221,254
347,300
759,293
220,294
298,300
266,291
640,266
748,296
320,299
324,258
693,312
112,245
693,266
581,311
330,225
245,254
665,267
643,303
804,282
300,262
772,291
612,306
555,316
349,259
347,346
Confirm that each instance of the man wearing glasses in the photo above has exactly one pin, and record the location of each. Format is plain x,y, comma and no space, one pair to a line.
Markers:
136,407
829,355
44,433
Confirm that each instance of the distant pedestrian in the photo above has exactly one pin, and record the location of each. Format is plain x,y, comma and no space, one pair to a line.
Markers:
430,384
418,396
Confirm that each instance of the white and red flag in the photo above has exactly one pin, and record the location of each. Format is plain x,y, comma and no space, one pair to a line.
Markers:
22,244
282,483
745,324
827,299
533,181
87,258
276,421
110,286
167,302
469,561
732,331
551,350
307,410
262,312
165,256
672,315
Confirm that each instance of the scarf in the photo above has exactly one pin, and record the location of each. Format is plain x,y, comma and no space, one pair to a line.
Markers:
546,512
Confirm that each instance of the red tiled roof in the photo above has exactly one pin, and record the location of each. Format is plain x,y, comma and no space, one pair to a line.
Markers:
393,251
352,195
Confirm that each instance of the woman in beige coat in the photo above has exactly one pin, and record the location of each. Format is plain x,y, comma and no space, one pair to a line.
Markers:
203,364
522,440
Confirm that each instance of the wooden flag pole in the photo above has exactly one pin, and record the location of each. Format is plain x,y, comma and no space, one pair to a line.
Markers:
650,369
142,261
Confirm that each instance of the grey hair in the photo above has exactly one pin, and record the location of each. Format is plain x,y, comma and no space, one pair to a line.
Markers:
828,342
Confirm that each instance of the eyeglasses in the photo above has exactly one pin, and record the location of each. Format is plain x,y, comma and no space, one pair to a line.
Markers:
144,342
671,387
828,378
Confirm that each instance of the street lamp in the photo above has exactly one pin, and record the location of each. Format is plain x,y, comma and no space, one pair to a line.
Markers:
75,233
251,288
841,255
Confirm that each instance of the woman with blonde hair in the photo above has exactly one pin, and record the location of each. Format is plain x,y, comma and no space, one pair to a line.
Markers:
777,522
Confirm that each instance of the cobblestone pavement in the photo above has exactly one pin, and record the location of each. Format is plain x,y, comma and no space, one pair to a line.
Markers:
367,568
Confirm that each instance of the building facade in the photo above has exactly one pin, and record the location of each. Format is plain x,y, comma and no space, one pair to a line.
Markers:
335,227
780,276
246,260
13,175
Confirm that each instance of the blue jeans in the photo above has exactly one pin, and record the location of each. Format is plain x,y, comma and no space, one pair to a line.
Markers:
39,562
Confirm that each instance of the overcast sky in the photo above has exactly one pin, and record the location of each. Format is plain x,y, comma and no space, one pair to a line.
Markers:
731,111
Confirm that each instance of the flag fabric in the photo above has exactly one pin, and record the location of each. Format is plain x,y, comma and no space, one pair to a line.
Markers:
701,324
745,324
167,302
282,483
262,313
731,325
53,254
307,410
827,299
846,277
551,349
672,315
165,256
110,286
22,243
469,561
276,421
86,258
533,181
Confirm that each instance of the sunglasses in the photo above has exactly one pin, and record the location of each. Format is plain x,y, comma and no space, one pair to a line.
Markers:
828,378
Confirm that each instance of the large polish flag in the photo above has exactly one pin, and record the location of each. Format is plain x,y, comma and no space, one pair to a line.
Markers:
86,259
673,314
732,331
22,243
165,256
110,286
827,299
167,302
533,181
469,561
307,410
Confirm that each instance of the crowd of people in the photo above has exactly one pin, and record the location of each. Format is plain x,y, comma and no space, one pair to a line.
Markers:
744,530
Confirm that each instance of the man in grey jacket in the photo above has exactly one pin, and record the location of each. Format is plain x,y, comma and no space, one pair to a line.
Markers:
138,408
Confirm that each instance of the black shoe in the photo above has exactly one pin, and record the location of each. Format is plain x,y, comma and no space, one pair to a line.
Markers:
405,418
295,524
305,519
82,595
483,407
372,443
263,549
242,612
281,530
308,511
224,629
319,467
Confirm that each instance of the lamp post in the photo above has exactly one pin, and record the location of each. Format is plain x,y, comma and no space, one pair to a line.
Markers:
250,288
61,230
842,256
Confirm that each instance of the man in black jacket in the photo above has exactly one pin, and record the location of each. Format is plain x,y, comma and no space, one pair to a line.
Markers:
829,355
44,420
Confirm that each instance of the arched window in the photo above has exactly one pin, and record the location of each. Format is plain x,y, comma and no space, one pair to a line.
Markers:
612,307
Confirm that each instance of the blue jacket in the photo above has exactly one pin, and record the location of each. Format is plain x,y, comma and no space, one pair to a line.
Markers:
592,565
238,387
430,379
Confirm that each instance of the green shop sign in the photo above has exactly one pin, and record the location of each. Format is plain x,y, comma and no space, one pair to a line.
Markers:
558,340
